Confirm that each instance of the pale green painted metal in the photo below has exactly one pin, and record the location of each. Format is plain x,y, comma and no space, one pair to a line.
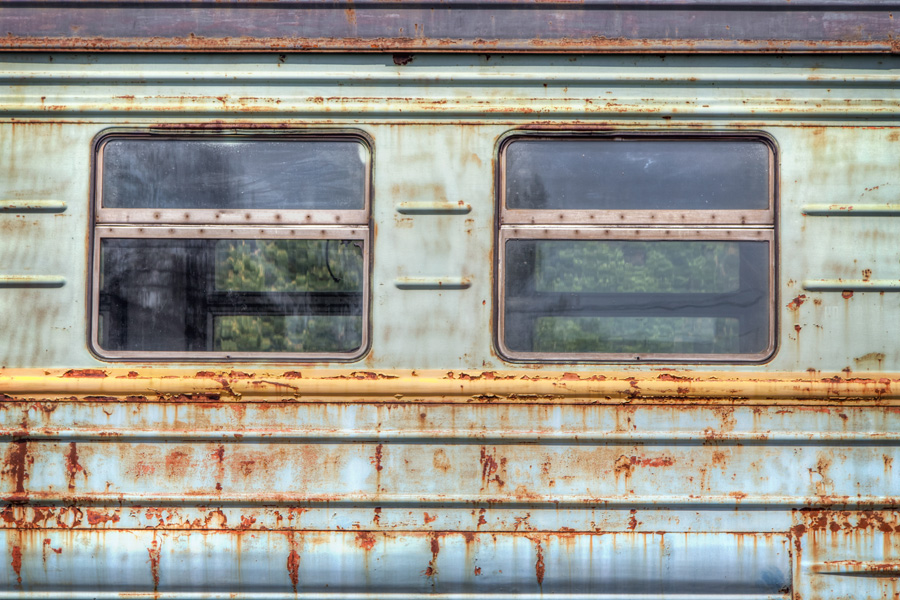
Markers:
269,499
435,123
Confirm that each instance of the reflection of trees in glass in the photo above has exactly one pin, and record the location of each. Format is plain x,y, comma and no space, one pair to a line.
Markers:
289,266
632,267
624,266
287,334
638,335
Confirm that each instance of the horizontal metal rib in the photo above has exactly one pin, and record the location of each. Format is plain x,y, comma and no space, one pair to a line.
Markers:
32,281
851,210
856,285
32,206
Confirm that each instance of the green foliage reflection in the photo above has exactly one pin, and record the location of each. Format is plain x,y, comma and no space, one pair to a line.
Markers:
624,266
289,266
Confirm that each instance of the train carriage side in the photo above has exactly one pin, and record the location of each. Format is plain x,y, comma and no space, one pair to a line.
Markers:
508,311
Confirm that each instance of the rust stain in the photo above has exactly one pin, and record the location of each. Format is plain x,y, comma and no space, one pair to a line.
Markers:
293,568
430,519
623,466
47,546
632,520
431,569
440,461
177,464
402,59
539,562
365,540
96,517
847,294
154,552
17,564
491,469
16,464
95,373
376,460
72,465
796,302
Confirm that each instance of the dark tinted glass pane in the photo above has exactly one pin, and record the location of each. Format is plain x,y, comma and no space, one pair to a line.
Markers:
614,174
181,295
234,174
630,297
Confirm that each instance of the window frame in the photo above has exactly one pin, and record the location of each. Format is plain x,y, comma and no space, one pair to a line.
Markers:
618,225
216,224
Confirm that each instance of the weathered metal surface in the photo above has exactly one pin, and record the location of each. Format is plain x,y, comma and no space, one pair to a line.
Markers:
420,564
430,465
495,26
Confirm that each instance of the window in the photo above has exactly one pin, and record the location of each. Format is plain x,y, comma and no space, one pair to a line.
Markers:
636,247
228,245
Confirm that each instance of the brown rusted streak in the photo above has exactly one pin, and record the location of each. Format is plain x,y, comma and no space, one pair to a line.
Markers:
491,469
376,460
293,568
539,562
154,552
16,464
72,465
847,294
16,563
431,570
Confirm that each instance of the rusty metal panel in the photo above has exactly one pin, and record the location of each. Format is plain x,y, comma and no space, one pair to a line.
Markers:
454,25
430,465
398,565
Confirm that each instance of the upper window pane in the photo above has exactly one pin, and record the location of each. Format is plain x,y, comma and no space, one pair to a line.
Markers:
620,174
234,173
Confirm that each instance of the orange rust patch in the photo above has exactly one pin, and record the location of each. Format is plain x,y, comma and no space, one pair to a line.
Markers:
365,540
17,564
97,373
796,302
847,294
632,521
96,517
670,377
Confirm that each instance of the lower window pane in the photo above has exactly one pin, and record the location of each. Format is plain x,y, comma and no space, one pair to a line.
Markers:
226,295
287,334
634,298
